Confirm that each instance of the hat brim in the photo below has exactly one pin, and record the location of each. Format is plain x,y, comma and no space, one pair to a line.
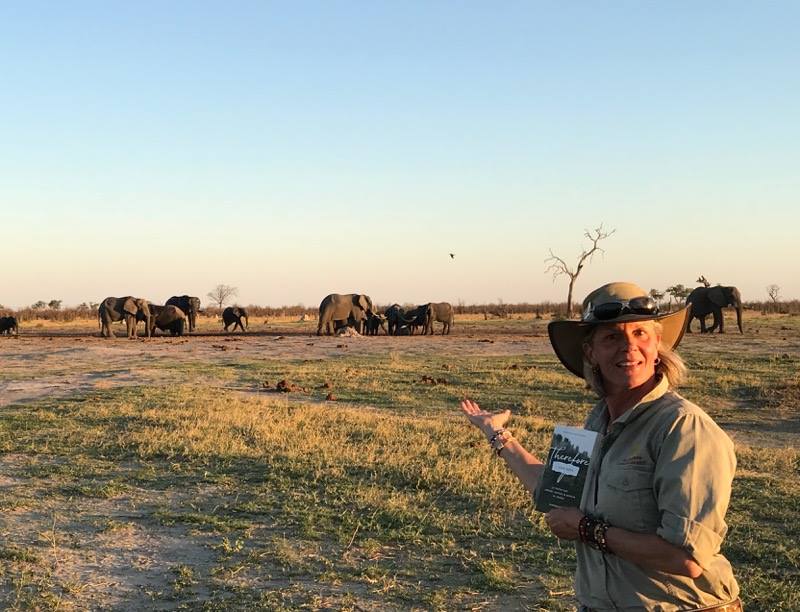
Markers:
567,336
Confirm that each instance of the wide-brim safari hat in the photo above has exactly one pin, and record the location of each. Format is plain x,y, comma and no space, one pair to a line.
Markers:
613,303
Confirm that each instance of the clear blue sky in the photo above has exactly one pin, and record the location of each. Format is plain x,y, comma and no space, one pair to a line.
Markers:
296,149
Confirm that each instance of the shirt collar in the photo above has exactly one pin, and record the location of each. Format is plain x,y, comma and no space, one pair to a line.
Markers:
662,386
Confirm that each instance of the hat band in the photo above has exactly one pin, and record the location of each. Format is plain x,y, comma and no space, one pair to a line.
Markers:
606,311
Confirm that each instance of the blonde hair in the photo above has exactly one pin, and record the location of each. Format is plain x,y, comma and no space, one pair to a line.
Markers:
670,365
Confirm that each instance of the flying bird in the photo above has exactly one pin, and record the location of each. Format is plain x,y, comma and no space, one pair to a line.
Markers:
452,255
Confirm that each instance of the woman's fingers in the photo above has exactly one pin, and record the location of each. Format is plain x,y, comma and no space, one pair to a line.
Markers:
468,404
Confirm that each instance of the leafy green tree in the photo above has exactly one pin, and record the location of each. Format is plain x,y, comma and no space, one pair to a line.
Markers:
679,293
657,295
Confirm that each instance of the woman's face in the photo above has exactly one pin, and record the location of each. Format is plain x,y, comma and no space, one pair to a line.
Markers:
626,354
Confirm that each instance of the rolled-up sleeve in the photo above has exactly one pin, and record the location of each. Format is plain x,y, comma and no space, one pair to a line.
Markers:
693,477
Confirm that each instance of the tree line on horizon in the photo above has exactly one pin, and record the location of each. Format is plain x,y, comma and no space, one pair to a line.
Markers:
53,311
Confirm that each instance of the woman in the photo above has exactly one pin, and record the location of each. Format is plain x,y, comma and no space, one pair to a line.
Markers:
652,517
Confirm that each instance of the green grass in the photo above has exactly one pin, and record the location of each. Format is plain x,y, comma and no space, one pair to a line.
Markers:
385,499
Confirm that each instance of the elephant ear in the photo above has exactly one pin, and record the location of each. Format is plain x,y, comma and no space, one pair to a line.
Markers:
364,302
717,296
130,306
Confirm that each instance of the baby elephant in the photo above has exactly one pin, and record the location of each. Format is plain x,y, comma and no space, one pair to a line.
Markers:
234,315
373,323
9,325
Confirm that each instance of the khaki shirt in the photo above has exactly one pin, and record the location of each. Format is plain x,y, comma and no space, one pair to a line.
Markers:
664,467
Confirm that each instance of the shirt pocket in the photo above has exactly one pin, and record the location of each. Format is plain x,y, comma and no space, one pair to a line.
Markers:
629,501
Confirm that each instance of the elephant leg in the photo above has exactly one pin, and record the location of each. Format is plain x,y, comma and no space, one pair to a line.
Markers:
106,331
719,319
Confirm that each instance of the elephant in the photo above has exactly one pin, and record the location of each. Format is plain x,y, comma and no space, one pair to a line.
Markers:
340,307
374,323
417,317
129,308
167,318
189,305
711,300
357,319
233,315
8,325
394,318
441,312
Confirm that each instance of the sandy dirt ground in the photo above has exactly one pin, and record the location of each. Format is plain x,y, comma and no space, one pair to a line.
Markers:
50,364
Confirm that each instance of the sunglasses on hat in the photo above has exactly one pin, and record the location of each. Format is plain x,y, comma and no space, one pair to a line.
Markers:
644,305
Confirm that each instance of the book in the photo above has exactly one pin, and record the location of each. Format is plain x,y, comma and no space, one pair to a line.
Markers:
567,465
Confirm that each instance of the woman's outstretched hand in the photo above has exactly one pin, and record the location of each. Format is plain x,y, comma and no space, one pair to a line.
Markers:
487,422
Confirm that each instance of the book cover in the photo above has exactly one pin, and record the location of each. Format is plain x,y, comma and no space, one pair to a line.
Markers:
564,477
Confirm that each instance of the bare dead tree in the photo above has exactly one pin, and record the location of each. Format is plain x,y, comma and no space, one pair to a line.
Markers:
221,294
560,267
774,293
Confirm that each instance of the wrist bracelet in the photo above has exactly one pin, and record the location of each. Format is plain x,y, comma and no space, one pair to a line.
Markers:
499,440
592,531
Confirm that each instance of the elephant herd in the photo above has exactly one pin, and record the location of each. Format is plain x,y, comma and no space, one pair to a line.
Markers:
355,310
176,316
339,311
336,311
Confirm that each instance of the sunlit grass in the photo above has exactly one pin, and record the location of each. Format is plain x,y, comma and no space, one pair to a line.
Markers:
383,499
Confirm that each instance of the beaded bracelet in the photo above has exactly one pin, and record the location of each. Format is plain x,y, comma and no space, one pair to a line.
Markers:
592,531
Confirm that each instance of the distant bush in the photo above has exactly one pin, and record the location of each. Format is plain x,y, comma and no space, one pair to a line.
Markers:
779,307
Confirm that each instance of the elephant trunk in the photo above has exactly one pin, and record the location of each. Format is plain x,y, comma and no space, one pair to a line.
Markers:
739,317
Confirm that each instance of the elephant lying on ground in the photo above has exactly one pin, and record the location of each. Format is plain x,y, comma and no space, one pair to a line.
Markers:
234,315
341,307
189,305
9,325
167,318
129,309
711,300
441,312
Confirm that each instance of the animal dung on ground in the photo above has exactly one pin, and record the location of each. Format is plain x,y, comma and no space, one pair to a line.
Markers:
341,346
429,380
219,347
284,386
